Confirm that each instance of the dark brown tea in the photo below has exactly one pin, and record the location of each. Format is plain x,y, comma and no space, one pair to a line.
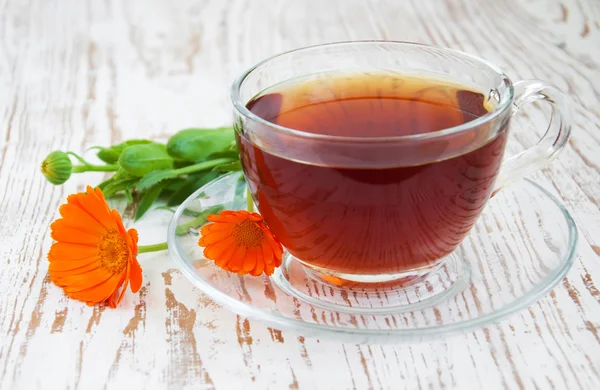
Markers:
370,220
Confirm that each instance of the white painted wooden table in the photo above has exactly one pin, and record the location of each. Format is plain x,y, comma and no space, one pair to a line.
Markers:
79,73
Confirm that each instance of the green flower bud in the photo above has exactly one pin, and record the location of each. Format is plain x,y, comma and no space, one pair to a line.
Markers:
57,167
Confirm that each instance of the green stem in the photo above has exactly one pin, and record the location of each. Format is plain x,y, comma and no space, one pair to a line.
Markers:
182,229
152,248
201,166
199,220
249,201
95,168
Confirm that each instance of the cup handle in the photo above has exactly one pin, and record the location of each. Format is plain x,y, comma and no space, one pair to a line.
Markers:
551,143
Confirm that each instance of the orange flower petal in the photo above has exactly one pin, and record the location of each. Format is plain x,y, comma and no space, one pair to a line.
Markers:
216,227
95,206
133,236
258,269
255,217
60,269
78,218
224,258
274,243
237,259
277,252
253,255
117,296
215,250
243,214
269,269
112,301
223,235
98,193
61,231
114,214
267,253
63,251
136,276
204,240
83,282
98,293
72,265
223,218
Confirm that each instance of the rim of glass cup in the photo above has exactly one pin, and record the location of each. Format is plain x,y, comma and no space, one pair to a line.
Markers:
271,318
505,103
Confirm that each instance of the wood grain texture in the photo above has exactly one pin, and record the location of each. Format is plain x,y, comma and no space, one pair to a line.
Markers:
79,73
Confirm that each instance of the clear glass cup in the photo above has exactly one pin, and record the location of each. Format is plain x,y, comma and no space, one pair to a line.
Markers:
257,138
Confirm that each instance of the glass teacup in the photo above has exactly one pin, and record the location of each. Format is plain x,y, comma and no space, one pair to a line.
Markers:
388,207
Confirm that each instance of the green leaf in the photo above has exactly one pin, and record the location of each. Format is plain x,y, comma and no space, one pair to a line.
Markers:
111,155
129,190
229,167
192,183
148,199
128,195
142,159
182,163
105,183
200,144
119,182
175,184
123,175
153,178
198,221
227,153
113,186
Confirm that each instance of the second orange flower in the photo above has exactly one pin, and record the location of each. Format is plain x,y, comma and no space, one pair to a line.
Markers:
241,242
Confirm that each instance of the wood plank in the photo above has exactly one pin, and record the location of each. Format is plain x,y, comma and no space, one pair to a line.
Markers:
78,74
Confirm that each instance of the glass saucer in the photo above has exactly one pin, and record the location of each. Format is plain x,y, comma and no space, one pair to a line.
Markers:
521,247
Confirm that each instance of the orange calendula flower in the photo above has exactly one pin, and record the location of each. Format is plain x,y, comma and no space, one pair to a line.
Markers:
241,242
93,256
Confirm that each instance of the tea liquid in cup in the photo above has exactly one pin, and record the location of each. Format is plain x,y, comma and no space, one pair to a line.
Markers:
371,220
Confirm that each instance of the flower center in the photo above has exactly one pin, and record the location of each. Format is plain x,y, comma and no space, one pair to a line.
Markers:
248,234
114,252
45,169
